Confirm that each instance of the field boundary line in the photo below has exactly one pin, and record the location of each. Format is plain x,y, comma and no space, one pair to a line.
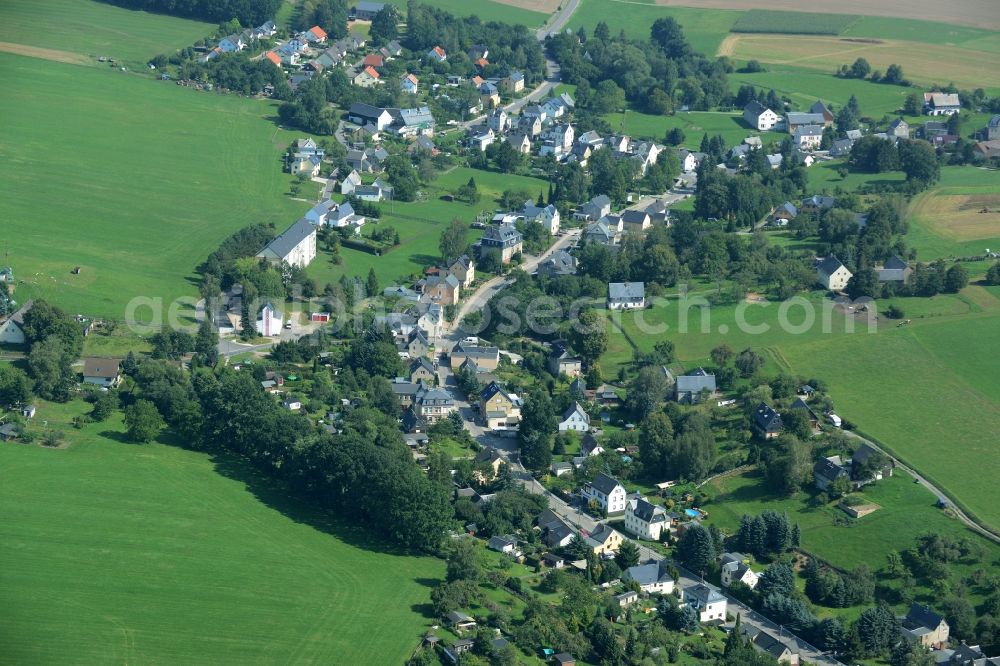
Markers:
67,57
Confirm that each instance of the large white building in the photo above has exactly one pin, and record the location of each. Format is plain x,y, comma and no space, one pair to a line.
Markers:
645,520
709,603
832,274
296,245
759,116
607,492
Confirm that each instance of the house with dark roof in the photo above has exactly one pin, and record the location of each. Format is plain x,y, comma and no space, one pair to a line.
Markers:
504,544
925,626
561,361
295,246
575,418
499,408
832,273
555,532
433,404
895,271
827,470
818,202
590,446
558,263
784,214
795,120
486,358
12,328
652,577
766,422
759,116
8,432
688,388
366,114
810,414
769,644
707,601
503,239
608,492
821,108
645,520
869,466
604,540
738,572
941,104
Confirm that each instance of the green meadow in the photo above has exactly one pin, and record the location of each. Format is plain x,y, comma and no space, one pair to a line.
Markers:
93,28
158,178
120,553
695,125
486,10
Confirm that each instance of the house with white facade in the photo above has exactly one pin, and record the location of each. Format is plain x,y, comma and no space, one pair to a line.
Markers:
607,492
269,321
575,418
12,328
645,519
296,245
708,602
653,577
626,295
832,274
759,116
735,571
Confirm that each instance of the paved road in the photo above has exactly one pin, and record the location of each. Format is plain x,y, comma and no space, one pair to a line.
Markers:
558,20
492,287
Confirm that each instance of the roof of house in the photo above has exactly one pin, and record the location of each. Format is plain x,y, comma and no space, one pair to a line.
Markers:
8,429
289,239
704,593
695,382
501,542
101,367
366,110
938,99
273,57
829,265
819,201
829,468
796,118
633,216
559,263
648,574
18,316
605,484
819,107
809,130
767,418
801,404
649,512
922,616
754,108
576,408
494,388
503,233
601,534
626,291
770,644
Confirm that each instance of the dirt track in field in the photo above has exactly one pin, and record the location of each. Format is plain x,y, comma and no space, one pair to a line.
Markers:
45,54
975,13
544,6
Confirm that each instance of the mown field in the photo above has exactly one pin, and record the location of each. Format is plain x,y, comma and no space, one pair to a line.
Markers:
922,63
801,23
113,552
420,225
487,10
93,28
695,125
941,228
136,181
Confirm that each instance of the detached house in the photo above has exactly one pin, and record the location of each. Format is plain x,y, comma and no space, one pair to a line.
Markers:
464,269
296,245
561,362
433,404
652,577
547,216
105,372
765,642
941,104
827,470
422,370
437,54
409,84
558,263
575,418
604,540
12,328
645,520
707,601
808,137
365,114
832,274
486,358
367,77
626,295
513,82
607,492
767,422
737,571
500,409
759,116
689,387
594,209
924,626
504,240
895,271
635,221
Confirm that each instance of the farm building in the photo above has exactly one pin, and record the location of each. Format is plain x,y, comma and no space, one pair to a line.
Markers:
296,245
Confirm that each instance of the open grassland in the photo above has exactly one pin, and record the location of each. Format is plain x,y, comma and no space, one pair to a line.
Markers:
978,13
90,28
921,63
908,510
119,553
705,30
420,225
938,382
978,38
800,23
512,11
158,178
695,125
963,216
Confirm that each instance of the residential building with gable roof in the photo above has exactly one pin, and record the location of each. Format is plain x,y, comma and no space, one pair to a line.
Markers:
645,519
626,295
575,418
608,492
759,116
295,246
832,274
653,577
709,603
925,626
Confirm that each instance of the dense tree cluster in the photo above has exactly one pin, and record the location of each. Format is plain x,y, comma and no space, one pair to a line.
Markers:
657,76
238,72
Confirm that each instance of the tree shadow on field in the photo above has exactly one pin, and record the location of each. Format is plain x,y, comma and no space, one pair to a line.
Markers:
277,496
426,610
425,259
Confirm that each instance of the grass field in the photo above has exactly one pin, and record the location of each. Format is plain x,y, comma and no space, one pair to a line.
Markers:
938,226
94,28
922,63
694,124
420,225
118,553
487,10
160,176
800,23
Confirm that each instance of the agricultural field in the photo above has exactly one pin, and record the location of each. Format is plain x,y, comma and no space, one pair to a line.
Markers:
922,63
521,12
122,553
978,13
796,23
946,221
159,178
420,225
90,28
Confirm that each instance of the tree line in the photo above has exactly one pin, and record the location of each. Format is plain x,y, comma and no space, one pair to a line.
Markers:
247,12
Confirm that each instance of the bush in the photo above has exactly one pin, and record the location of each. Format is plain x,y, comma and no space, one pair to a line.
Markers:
894,312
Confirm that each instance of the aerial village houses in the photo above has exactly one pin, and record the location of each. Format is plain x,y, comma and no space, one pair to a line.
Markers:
652,577
922,625
607,492
626,295
689,387
736,570
707,601
767,422
645,520
575,418
12,328
941,104
503,239
104,372
758,117
296,245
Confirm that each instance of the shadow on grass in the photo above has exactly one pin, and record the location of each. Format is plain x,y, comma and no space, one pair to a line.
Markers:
276,495
425,259
425,610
